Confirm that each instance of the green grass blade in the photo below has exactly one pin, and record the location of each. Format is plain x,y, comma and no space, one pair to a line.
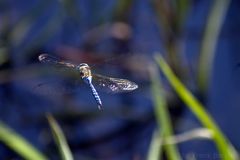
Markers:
162,114
60,139
210,37
155,149
225,148
18,144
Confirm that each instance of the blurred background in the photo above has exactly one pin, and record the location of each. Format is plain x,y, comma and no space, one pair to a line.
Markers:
199,39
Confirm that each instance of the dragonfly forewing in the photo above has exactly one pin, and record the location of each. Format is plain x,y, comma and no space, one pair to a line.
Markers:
45,58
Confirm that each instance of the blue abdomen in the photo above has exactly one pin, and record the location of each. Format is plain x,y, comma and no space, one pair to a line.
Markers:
88,80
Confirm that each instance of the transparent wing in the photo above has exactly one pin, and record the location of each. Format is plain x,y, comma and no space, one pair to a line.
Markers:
113,85
107,84
45,58
57,86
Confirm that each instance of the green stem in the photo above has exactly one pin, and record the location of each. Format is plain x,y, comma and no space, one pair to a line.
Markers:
19,144
208,46
223,145
162,114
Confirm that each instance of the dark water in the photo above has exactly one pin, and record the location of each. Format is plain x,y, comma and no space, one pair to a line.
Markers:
124,129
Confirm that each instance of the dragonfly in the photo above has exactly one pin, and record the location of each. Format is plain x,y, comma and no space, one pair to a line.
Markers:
109,84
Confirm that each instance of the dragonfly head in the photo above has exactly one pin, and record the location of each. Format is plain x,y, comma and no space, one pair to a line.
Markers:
84,70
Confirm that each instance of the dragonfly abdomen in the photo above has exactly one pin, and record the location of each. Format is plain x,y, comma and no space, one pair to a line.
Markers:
96,96
88,80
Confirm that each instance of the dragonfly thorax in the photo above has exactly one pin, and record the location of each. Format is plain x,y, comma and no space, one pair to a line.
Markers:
84,70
